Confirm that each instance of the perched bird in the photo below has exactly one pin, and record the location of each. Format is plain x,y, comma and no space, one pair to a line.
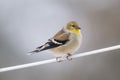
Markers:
66,41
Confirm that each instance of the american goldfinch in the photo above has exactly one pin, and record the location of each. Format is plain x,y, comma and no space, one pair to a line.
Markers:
66,41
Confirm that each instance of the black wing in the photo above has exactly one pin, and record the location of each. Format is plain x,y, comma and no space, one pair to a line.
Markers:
52,43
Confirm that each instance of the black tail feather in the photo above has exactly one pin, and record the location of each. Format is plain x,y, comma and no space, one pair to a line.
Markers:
35,51
49,45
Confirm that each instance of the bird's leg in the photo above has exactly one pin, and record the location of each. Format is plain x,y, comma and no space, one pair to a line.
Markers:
69,56
59,59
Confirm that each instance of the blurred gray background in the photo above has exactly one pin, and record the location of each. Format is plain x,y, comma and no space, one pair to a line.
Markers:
26,24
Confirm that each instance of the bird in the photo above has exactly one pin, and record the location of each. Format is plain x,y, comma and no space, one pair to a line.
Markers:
65,42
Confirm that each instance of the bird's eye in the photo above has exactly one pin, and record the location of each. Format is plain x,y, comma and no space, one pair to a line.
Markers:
73,25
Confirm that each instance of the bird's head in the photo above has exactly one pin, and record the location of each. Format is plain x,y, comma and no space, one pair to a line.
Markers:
73,27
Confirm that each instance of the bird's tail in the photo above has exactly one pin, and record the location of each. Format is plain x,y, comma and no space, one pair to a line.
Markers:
39,49
33,52
50,44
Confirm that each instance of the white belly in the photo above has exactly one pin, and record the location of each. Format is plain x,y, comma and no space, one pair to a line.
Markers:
70,47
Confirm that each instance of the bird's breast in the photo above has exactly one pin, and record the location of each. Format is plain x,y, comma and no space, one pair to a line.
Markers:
70,47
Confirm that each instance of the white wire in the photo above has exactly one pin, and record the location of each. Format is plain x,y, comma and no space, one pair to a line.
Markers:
54,60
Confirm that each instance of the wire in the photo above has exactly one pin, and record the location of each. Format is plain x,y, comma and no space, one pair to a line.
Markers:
54,60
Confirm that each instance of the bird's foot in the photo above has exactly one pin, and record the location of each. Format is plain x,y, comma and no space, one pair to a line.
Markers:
59,59
69,56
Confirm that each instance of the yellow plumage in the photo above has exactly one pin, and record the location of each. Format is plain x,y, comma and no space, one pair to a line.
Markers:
66,41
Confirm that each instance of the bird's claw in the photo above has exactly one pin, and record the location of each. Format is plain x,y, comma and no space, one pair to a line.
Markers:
59,59
69,56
